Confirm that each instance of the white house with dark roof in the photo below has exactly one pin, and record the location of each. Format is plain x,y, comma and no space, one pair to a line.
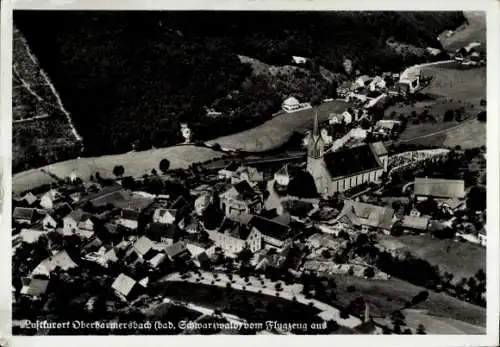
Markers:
233,237
77,219
273,233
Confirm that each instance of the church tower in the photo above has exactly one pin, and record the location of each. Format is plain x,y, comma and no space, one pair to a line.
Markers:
315,163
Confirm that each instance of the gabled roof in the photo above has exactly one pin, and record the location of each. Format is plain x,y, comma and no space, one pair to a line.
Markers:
233,166
62,211
23,213
418,223
61,259
163,211
158,230
143,245
30,235
439,188
351,161
175,249
244,190
111,228
271,228
30,198
291,101
79,215
123,284
130,214
283,170
157,260
202,258
36,287
360,213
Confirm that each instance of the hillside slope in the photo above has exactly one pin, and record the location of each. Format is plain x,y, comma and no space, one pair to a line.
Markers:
130,78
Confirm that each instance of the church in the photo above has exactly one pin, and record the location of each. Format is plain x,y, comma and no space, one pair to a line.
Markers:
340,170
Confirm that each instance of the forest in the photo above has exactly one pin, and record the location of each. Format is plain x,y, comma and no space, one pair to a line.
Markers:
130,78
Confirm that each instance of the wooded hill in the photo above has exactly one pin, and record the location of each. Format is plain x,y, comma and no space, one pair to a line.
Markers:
131,77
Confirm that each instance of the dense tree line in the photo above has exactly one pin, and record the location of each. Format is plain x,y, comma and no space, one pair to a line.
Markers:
129,79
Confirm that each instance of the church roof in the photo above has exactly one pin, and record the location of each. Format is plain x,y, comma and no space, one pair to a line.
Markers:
351,161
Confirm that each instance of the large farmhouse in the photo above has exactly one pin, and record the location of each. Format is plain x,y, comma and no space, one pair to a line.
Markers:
340,170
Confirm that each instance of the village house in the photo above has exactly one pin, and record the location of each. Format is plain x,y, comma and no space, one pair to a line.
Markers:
24,215
48,222
164,215
28,236
228,172
299,60
141,250
125,287
167,234
362,81
246,173
272,233
129,218
233,237
241,198
196,247
366,217
29,199
411,224
346,117
60,260
438,188
378,83
293,105
77,219
202,202
49,198
201,260
345,89
282,177
34,288
177,252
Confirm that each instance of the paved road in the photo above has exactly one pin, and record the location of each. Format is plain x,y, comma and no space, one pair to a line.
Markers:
288,292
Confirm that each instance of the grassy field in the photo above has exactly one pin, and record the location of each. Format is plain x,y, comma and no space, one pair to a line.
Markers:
386,296
452,88
474,31
462,259
278,130
135,163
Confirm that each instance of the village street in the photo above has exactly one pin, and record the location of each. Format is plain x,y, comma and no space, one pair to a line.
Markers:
255,285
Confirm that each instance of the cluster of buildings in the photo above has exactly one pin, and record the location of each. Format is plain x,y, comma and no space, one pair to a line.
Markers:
472,54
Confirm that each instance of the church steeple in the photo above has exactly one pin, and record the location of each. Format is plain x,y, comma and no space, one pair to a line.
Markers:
316,143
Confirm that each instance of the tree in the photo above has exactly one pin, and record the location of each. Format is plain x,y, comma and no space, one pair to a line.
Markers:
118,171
476,198
154,172
448,116
369,272
326,254
365,124
164,165
421,329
